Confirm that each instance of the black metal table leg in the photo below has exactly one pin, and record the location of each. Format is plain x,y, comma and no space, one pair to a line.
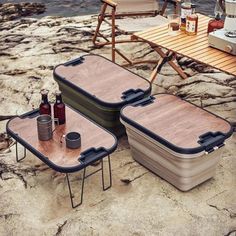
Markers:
17,155
83,179
82,190
110,177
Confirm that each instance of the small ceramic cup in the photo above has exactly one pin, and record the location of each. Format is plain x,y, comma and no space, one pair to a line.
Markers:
73,140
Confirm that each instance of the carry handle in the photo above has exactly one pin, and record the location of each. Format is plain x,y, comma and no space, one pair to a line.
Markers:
92,154
132,95
144,102
212,141
74,62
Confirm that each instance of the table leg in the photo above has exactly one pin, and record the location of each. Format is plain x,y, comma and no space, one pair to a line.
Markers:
110,177
171,63
17,154
83,179
156,70
178,70
70,191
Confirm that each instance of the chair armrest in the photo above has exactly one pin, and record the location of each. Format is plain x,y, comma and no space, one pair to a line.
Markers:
110,3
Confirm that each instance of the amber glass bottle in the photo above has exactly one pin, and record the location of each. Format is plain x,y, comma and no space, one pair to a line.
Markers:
45,107
59,109
192,22
215,24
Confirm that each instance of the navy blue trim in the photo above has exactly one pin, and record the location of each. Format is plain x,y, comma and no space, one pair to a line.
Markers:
80,60
46,160
220,137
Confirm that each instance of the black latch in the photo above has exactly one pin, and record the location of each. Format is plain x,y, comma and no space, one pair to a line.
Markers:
92,154
144,102
211,141
75,62
132,95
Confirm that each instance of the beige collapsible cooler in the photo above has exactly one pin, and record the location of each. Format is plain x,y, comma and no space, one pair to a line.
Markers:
175,139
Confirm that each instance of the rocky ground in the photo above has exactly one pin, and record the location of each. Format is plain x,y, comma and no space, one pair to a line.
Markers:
34,199
12,11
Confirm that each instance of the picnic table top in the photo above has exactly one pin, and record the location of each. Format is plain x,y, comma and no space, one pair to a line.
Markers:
96,142
195,47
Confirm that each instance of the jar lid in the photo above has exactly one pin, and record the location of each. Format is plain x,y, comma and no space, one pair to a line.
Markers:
44,91
58,93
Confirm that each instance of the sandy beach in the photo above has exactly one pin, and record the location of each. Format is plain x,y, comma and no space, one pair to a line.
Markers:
34,199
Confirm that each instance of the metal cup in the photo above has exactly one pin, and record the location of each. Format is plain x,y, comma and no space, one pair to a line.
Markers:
73,140
44,126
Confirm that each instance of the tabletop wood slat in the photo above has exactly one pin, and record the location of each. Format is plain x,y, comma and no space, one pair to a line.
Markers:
195,47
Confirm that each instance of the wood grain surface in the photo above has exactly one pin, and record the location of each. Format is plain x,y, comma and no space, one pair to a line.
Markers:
91,136
195,47
176,120
102,78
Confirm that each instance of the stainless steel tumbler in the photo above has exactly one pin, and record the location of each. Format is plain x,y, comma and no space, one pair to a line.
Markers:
44,126
73,140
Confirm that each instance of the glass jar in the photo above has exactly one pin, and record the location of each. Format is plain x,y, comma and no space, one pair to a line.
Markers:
215,24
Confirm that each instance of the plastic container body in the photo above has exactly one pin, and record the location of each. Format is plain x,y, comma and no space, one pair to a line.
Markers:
166,139
183,172
99,88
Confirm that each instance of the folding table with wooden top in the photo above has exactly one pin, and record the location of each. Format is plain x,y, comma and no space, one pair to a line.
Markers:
195,47
96,143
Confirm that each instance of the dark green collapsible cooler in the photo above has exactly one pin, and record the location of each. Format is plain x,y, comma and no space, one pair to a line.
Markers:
99,88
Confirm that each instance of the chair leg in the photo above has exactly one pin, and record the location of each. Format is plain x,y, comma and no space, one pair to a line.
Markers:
100,20
164,6
17,154
110,177
130,63
73,205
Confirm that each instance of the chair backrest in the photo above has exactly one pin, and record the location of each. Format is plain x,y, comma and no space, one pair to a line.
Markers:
136,6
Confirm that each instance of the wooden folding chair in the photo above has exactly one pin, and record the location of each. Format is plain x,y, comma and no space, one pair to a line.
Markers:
113,13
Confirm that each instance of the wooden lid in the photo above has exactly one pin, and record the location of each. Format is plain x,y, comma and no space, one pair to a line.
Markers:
92,136
175,121
101,78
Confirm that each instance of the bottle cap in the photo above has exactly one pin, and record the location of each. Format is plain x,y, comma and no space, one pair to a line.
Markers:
58,93
44,91
218,16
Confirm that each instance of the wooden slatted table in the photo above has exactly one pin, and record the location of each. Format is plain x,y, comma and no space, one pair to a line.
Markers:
195,47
